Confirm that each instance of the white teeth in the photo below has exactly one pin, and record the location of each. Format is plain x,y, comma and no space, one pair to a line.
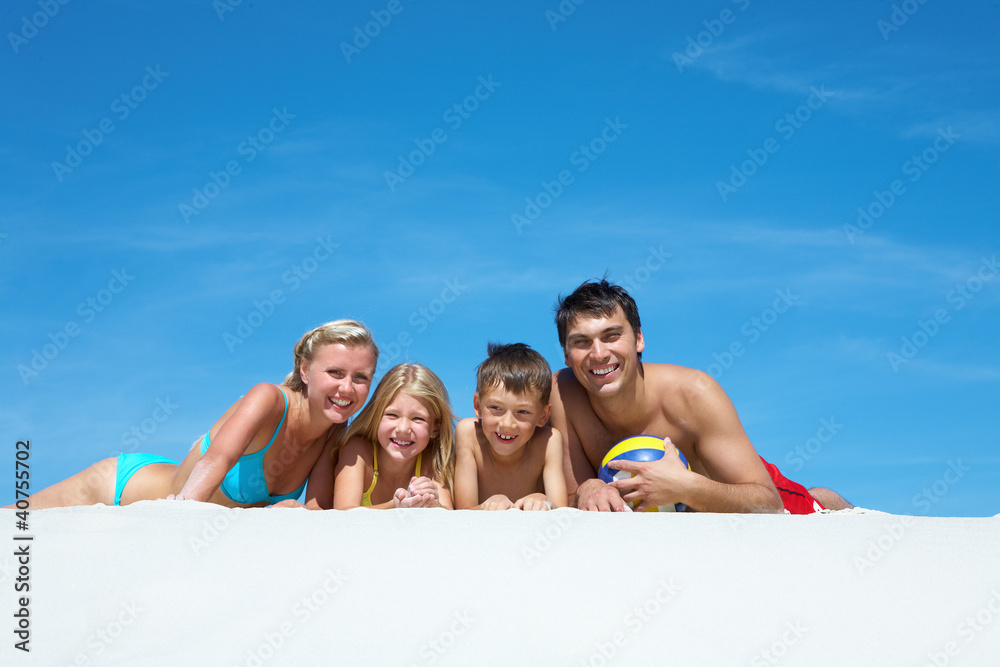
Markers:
603,371
401,443
506,438
341,402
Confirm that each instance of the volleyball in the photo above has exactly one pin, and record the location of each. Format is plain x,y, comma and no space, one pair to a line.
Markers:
638,448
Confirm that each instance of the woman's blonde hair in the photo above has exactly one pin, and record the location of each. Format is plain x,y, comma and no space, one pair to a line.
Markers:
346,332
420,382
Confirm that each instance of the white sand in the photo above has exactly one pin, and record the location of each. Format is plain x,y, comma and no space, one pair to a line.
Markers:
160,583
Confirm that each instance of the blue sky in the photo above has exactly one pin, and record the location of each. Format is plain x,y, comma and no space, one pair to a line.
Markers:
790,191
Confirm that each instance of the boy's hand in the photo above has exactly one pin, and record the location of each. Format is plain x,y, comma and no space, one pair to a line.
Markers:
497,502
534,502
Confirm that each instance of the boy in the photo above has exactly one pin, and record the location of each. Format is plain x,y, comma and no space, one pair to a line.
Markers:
508,457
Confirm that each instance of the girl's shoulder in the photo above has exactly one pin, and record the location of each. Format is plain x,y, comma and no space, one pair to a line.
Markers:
356,447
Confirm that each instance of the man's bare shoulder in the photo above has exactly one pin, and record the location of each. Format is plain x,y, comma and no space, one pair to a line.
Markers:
566,388
688,389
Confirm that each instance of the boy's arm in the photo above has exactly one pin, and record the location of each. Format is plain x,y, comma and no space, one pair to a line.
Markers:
553,478
466,471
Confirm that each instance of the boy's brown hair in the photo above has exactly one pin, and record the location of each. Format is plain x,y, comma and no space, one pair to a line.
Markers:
517,368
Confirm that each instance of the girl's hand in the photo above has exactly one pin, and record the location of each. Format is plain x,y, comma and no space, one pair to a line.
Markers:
403,499
497,502
421,486
534,502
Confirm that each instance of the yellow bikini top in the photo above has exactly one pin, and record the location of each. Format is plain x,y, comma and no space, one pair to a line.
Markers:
366,497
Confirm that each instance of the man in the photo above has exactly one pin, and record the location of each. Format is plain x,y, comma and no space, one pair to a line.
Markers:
607,394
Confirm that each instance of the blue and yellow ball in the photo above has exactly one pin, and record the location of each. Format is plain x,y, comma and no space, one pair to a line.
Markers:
639,448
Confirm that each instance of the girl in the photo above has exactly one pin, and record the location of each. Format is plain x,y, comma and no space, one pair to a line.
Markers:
265,446
400,451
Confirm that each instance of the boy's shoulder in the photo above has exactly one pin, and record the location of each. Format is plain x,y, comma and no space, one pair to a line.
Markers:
468,431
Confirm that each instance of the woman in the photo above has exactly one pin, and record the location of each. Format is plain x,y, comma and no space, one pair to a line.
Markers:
263,449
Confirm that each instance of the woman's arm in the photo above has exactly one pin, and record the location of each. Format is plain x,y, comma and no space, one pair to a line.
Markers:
257,410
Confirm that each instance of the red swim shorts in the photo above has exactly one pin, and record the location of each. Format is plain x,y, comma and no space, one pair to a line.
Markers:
794,496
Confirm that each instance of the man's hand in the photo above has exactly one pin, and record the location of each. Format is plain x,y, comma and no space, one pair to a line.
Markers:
653,482
596,496
497,502
533,502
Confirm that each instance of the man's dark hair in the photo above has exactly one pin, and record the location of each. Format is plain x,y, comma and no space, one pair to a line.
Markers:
596,299
515,367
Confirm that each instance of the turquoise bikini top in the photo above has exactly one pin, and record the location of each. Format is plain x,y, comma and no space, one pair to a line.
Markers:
245,482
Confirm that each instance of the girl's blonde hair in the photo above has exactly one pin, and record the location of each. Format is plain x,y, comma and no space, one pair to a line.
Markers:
421,382
346,332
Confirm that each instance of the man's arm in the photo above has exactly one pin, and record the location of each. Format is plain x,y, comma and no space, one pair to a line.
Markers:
737,480
582,486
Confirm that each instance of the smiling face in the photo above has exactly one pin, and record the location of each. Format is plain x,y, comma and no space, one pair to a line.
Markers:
407,426
603,352
338,379
509,419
